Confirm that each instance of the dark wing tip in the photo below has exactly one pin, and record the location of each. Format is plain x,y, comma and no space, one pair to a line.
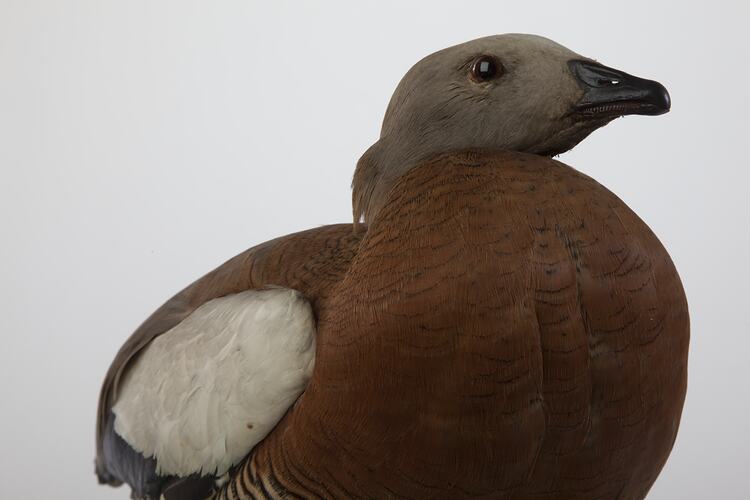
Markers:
104,477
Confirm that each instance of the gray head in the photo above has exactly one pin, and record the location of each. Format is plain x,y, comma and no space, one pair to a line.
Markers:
513,92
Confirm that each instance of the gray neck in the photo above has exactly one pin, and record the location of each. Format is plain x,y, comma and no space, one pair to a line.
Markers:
386,161
379,168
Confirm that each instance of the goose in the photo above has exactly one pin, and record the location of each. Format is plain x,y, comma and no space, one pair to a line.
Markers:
493,323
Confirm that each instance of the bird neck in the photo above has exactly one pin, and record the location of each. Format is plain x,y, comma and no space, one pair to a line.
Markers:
383,164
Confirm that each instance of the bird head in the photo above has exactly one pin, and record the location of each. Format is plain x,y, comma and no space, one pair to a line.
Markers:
512,92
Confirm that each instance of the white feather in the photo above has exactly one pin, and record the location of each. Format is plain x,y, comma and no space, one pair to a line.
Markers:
201,395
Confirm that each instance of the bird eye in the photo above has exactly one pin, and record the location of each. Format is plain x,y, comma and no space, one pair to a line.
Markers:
486,68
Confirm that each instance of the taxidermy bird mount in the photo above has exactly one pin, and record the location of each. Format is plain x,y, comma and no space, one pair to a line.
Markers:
494,324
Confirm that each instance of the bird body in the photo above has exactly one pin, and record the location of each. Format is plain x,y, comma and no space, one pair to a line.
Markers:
493,324
508,329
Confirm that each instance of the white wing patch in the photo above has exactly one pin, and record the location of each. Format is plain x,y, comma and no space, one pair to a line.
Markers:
202,394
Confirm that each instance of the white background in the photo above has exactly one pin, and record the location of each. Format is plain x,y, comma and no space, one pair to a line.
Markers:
144,142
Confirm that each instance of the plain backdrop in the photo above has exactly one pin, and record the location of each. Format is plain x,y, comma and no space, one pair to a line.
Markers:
144,142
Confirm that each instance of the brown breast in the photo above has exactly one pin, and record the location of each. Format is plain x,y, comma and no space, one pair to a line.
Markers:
508,329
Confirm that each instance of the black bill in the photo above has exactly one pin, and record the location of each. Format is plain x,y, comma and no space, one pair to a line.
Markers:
611,93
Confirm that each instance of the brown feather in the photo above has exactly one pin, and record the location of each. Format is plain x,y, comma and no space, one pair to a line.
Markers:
508,329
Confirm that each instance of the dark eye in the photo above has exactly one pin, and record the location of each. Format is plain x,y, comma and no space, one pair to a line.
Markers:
486,68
